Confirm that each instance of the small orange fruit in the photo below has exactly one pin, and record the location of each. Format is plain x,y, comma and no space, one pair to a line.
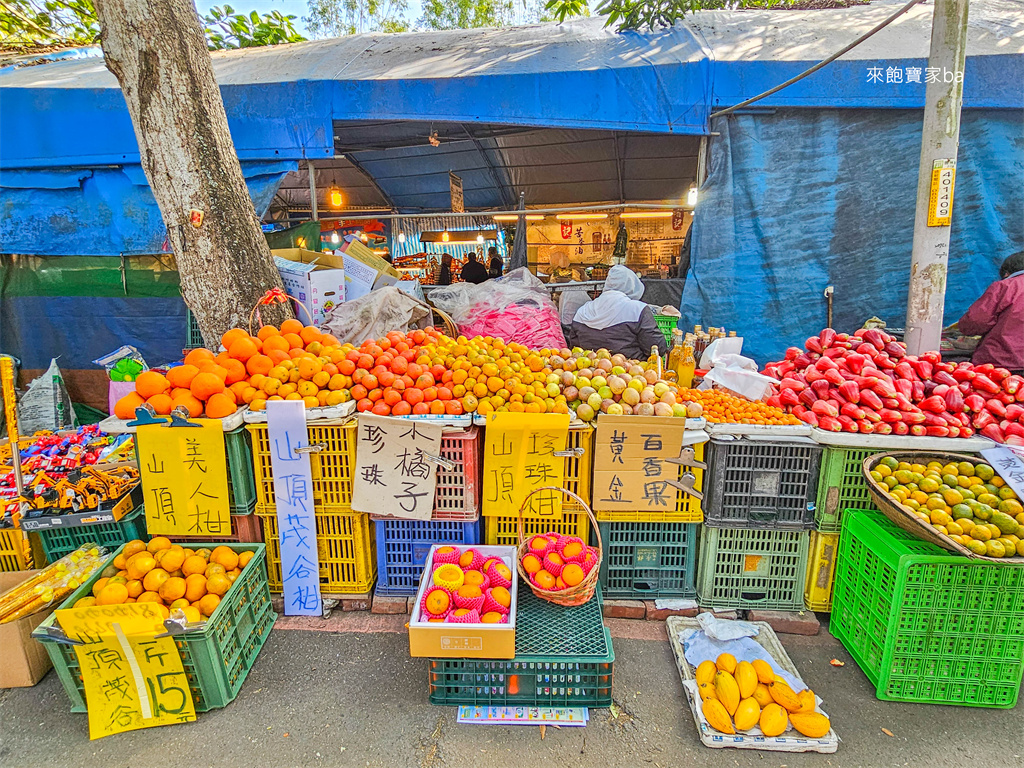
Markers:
182,375
149,597
195,587
218,584
151,383
215,569
173,558
539,543
161,403
139,566
224,556
501,596
267,331
572,574
491,617
172,589
198,356
531,563
112,594
244,558
220,406
474,578
243,348
125,407
208,604
157,543
572,549
437,602
134,588
543,579
133,547
193,564
291,326
206,385
155,579
469,591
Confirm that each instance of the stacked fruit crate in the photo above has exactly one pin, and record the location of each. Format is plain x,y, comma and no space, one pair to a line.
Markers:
402,545
760,489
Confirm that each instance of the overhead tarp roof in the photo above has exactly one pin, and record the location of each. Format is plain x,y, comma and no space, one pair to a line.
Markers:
282,102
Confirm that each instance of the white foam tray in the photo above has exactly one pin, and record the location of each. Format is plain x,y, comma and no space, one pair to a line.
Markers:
901,442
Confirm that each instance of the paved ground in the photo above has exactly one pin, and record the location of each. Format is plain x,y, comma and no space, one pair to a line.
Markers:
324,697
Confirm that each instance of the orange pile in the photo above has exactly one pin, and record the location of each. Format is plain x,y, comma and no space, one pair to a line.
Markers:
722,408
169,575
555,562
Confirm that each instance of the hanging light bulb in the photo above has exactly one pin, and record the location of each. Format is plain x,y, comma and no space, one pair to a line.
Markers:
445,237
691,195
401,237
334,197
480,239
334,238
363,237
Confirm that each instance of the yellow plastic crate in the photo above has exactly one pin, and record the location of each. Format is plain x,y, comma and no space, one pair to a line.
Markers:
502,530
688,508
13,551
821,571
331,468
346,548
579,471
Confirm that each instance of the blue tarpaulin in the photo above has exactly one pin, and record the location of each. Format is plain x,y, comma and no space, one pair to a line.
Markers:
797,200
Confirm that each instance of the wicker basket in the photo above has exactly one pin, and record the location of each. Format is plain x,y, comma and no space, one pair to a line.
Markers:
904,516
570,596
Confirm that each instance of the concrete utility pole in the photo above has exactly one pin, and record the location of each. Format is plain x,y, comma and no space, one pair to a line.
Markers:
940,138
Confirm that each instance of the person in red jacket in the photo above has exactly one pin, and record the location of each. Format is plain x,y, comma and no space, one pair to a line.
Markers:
998,317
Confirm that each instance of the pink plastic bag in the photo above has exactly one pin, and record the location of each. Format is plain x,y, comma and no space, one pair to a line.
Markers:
536,327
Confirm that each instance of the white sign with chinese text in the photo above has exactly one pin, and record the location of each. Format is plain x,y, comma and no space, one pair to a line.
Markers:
1009,465
293,494
395,469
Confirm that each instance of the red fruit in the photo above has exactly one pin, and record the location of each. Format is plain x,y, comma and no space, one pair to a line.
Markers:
399,365
795,384
890,416
1012,384
789,397
900,428
401,409
918,430
996,408
820,388
850,391
883,428
381,408
364,405
871,415
826,337
824,408
830,424
420,409
813,345
834,376
1014,412
453,407
870,399
993,432
934,404
984,384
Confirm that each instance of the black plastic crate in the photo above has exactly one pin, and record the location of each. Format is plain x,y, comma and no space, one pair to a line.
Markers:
758,483
563,658
649,560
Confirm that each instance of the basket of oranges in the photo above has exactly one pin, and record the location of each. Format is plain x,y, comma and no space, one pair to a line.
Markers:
560,569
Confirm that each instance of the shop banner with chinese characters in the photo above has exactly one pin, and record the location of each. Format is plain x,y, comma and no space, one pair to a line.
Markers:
395,469
185,479
132,678
524,452
632,470
296,519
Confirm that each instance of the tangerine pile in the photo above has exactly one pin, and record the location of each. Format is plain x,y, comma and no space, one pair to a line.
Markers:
467,588
722,408
555,562
169,575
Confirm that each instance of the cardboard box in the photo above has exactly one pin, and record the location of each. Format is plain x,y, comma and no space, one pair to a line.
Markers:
26,661
464,641
366,271
315,279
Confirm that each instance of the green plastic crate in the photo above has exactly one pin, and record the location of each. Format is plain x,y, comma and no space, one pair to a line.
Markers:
666,323
752,568
193,337
923,624
58,542
841,485
564,658
241,475
217,658
648,560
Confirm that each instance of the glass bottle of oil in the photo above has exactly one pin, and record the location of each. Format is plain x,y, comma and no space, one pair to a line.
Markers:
675,354
686,366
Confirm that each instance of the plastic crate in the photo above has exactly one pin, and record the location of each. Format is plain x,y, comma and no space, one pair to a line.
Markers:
503,530
649,560
217,658
578,475
245,529
752,568
241,481
925,625
688,509
193,337
13,555
841,486
564,657
457,490
331,468
821,571
58,542
402,547
666,324
344,544
758,483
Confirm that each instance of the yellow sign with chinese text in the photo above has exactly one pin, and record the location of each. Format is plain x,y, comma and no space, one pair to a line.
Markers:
523,452
185,479
632,467
132,678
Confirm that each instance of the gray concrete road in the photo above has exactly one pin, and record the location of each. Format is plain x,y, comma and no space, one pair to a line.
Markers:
347,694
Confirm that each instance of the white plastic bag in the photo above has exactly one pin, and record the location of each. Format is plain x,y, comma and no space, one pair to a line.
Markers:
46,405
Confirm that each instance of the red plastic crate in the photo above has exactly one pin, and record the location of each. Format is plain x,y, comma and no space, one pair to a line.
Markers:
457,493
245,529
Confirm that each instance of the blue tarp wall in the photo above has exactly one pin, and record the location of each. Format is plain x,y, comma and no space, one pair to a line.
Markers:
797,200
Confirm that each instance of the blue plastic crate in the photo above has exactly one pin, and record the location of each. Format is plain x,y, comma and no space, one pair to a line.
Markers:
402,547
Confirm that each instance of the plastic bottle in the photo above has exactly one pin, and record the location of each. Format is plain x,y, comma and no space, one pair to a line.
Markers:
687,365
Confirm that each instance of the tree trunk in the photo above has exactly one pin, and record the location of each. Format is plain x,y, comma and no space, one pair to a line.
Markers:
157,52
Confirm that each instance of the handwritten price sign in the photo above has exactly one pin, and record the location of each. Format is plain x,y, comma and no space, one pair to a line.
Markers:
523,452
132,678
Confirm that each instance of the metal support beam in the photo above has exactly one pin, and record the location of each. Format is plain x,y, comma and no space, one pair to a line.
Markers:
940,139
618,166
312,191
507,196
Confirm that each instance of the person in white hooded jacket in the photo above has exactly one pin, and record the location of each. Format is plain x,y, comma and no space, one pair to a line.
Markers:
617,320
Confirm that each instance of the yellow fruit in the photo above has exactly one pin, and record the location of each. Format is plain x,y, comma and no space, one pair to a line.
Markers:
762,696
157,543
813,725
747,714
746,679
706,672
783,695
716,716
726,662
224,556
773,720
727,691
807,700
112,594
765,673
706,691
